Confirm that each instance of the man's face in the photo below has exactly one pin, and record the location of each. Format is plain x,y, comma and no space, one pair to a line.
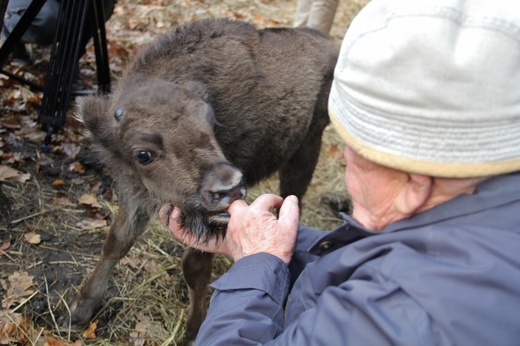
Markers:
373,189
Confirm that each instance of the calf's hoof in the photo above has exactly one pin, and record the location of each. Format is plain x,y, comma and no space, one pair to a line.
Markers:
79,314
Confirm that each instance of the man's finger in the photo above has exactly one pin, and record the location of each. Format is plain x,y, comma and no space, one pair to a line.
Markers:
164,214
289,213
237,205
267,202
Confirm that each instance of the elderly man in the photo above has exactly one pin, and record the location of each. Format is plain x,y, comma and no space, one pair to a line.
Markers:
426,98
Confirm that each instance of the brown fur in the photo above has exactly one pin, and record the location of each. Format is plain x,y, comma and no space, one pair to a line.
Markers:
201,113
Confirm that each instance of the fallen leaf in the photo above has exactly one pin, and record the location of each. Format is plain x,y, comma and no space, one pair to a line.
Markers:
335,152
71,150
18,288
98,214
10,158
12,328
52,341
12,122
96,186
7,172
90,332
236,15
22,178
61,201
32,238
4,245
77,167
144,328
57,182
91,224
89,199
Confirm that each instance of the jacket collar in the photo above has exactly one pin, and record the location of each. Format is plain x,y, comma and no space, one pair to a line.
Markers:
490,193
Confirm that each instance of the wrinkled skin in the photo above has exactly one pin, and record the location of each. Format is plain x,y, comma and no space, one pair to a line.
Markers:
199,115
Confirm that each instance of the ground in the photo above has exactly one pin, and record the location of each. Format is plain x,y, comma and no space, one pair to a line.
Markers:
56,204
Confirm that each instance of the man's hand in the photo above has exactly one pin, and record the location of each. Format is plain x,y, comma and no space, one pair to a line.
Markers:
251,229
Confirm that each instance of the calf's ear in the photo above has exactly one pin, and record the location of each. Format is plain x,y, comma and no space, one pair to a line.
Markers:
93,112
204,107
207,110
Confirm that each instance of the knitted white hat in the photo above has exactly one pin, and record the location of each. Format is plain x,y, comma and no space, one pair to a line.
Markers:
432,86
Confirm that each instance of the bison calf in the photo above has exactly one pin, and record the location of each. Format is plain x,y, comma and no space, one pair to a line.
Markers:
201,113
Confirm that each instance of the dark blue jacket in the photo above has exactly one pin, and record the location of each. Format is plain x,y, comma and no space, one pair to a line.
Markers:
447,276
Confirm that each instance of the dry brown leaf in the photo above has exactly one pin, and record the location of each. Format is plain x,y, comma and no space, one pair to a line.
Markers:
13,327
89,199
335,152
12,122
259,18
126,261
52,341
71,150
144,328
17,289
61,201
90,332
96,185
236,15
32,238
57,182
4,245
22,178
151,266
77,167
91,224
7,172
10,158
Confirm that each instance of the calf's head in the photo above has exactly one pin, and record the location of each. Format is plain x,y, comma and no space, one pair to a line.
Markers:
159,137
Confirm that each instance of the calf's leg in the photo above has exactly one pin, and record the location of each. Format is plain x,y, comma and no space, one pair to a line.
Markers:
296,174
196,267
127,226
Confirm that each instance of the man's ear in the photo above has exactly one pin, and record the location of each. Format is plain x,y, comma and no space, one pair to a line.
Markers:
416,192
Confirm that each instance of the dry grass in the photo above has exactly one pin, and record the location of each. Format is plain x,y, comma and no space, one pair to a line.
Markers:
147,301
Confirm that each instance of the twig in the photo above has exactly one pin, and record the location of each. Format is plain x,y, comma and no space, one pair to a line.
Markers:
34,265
18,326
169,341
156,247
25,301
4,253
69,314
154,276
49,303
33,215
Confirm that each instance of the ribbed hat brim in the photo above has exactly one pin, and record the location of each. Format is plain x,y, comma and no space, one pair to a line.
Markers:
375,149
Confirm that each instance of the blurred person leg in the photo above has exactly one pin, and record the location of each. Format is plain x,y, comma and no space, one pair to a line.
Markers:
321,15
301,17
42,29
316,14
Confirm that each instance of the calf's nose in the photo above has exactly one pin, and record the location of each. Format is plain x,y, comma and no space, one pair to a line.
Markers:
222,185
229,195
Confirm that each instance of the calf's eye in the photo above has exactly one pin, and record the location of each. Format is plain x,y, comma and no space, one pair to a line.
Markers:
144,157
